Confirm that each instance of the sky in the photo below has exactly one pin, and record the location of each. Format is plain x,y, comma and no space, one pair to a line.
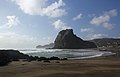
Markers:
28,23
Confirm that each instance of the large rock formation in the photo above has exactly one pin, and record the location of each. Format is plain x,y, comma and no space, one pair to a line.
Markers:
67,40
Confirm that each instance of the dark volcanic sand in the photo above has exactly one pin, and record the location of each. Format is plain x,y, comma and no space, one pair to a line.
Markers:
97,67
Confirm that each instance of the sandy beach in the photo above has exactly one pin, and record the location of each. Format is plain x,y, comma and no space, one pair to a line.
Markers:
97,67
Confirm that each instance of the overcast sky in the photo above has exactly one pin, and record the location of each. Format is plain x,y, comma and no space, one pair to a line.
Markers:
27,23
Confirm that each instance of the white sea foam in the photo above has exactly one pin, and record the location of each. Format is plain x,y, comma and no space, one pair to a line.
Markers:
64,53
67,53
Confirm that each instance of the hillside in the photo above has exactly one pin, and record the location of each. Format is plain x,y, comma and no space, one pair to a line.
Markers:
107,42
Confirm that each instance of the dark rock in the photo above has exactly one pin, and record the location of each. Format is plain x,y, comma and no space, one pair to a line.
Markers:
66,39
54,58
31,58
57,62
15,59
43,58
64,59
15,54
4,58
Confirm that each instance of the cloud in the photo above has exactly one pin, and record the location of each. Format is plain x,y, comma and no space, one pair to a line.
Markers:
11,22
77,17
112,12
92,35
108,25
14,40
104,19
86,30
60,25
95,36
100,20
41,7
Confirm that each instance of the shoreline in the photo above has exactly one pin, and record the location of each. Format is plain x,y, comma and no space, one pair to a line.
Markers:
106,53
97,67
92,67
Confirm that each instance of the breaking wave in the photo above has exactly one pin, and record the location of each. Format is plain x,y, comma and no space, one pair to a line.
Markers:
67,53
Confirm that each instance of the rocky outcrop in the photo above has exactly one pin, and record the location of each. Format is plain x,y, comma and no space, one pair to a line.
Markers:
51,45
15,54
66,39
6,56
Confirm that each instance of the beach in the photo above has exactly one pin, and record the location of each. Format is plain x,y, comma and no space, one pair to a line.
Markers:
96,67
59,38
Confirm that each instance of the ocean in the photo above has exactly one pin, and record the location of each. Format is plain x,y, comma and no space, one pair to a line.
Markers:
64,53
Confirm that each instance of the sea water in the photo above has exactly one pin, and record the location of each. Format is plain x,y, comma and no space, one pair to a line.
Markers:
63,53
66,53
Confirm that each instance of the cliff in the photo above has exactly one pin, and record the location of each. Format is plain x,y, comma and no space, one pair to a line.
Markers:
66,39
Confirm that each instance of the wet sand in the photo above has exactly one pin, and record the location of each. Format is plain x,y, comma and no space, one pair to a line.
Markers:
97,67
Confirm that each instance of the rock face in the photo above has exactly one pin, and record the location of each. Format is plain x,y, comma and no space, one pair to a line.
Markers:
67,40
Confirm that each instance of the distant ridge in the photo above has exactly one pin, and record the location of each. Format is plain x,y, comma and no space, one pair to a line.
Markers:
107,42
51,45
